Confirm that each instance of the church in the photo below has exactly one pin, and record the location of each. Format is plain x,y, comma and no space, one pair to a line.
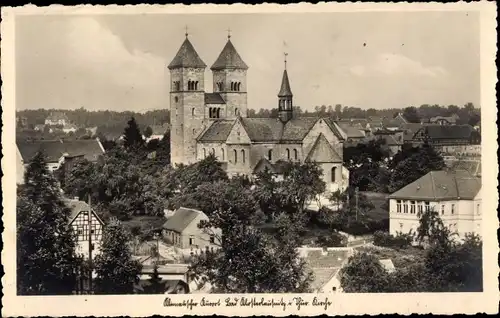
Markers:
202,123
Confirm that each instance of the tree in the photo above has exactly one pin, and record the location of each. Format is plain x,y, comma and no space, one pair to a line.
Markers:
148,132
46,259
411,114
156,286
116,271
418,164
363,274
132,135
206,170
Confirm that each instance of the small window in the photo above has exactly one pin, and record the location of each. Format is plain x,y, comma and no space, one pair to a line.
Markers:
453,209
398,206
442,209
478,209
412,207
196,85
288,153
212,239
405,207
191,240
194,131
236,112
213,151
204,153
400,225
192,111
222,151
243,155
270,154
296,154
235,156
218,112
427,206
176,99
333,173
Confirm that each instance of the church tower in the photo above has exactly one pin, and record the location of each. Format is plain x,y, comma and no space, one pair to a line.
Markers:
230,80
285,97
187,103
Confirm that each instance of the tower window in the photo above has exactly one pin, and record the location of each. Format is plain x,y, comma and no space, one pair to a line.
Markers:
176,99
196,85
333,173
232,86
235,156
177,86
288,153
296,154
243,155
270,154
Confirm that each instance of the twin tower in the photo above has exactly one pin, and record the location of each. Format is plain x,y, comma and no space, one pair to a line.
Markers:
192,109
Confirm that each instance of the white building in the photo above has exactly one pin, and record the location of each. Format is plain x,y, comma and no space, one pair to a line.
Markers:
455,195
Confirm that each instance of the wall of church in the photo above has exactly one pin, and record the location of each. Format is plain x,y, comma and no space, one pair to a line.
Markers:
321,127
239,160
334,178
219,149
238,134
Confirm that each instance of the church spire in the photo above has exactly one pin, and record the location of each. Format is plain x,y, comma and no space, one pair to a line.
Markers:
229,57
187,56
285,97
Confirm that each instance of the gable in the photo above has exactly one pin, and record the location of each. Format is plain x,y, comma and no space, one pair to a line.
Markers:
238,134
321,127
322,151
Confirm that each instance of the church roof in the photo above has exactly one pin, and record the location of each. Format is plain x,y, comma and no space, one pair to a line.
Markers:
214,98
218,131
187,57
285,86
267,129
229,59
322,151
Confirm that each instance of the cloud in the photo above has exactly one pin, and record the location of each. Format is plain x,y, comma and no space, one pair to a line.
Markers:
390,64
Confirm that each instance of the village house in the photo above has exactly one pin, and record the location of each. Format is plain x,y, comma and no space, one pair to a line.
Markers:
442,120
455,195
449,139
158,132
394,123
56,119
57,153
87,228
182,230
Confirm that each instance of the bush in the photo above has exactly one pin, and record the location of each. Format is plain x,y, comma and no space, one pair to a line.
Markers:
333,239
356,228
400,241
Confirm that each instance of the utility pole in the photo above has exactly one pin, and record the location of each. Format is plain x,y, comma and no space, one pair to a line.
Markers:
356,197
90,245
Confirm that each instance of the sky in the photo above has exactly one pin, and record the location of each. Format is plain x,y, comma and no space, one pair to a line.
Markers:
359,59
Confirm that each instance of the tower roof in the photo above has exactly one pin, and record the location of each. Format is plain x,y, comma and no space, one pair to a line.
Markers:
285,86
229,59
187,57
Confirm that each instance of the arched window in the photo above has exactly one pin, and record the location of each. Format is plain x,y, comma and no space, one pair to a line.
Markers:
218,112
222,151
232,86
288,153
196,85
213,151
176,99
192,111
270,154
295,154
194,131
243,155
204,153
239,86
189,85
235,156
333,173
236,112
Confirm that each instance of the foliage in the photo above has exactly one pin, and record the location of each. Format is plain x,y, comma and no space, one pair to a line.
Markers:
400,241
416,165
116,271
148,132
332,239
411,114
363,274
155,284
46,260
132,135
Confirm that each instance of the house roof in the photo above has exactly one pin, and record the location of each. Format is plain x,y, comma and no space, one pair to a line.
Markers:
218,131
159,129
441,185
214,98
472,166
278,168
229,59
54,116
285,89
181,219
324,265
187,57
322,151
450,119
77,206
449,132
351,131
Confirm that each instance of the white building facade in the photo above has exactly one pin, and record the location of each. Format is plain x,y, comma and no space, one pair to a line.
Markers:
456,196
